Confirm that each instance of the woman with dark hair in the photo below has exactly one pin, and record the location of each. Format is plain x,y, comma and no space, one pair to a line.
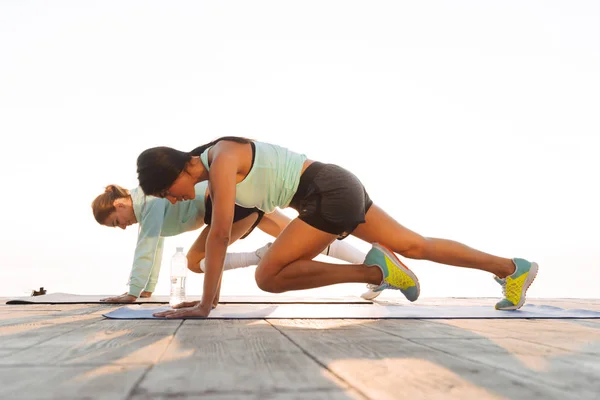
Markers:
331,202
119,207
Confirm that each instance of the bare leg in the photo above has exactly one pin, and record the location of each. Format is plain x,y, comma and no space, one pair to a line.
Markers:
273,223
381,228
198,249
288,264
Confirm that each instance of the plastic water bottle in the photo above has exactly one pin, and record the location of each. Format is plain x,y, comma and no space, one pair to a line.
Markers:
178,274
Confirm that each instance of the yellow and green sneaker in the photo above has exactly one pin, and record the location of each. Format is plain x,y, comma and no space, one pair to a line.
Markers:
396,275
515,286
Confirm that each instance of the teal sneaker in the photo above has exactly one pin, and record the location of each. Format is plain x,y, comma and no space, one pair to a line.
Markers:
396,275
515,286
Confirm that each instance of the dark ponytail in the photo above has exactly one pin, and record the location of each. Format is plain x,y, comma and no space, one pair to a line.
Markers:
159,167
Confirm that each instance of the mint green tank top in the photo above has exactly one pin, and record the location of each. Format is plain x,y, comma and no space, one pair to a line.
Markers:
272,180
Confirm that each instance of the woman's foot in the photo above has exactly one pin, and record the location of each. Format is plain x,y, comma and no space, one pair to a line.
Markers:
396,275
514,287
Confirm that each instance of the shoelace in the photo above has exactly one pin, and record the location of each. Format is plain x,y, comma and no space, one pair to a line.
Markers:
501,282
513,290
400,279
395,275
503,288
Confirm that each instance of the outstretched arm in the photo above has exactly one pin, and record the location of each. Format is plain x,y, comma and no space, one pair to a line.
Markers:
222,181
148,252
153,280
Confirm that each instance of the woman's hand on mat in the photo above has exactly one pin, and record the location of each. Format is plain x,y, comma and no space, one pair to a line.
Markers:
197,311
124,298
186,304
145,295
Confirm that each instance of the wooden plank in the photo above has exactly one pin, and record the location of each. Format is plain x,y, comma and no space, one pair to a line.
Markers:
19,317
41,328
570,372
22,338
403,328
26,319
19,321
105,341
383,366
301,395
5,352
113,382
13,315
9,326
211,356
582,336
415,328
31,328
71,308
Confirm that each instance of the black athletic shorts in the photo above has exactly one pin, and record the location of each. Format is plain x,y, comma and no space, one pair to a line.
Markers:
331,199
239,214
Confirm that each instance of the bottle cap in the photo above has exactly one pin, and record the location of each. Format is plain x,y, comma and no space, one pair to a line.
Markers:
179,249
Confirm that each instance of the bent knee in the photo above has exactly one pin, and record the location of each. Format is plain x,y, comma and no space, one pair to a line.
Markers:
195,268
267,282
269,285
416,249
193,262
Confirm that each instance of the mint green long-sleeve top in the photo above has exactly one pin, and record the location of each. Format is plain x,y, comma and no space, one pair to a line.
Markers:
157,219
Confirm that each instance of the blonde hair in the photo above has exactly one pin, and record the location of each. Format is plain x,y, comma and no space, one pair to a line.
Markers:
103,206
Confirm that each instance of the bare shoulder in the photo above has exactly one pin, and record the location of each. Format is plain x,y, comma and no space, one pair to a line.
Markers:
229,147
240,153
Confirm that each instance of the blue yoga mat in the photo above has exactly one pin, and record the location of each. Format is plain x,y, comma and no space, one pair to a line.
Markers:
363,311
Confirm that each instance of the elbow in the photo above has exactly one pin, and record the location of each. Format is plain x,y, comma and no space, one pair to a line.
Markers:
220,237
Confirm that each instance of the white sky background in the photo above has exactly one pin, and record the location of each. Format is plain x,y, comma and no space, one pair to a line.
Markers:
476,121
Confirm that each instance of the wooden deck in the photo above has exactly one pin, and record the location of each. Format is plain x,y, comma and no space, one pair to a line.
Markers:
72,352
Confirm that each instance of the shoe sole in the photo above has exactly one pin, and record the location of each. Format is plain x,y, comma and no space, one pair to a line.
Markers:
403,267
370,295
533,271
